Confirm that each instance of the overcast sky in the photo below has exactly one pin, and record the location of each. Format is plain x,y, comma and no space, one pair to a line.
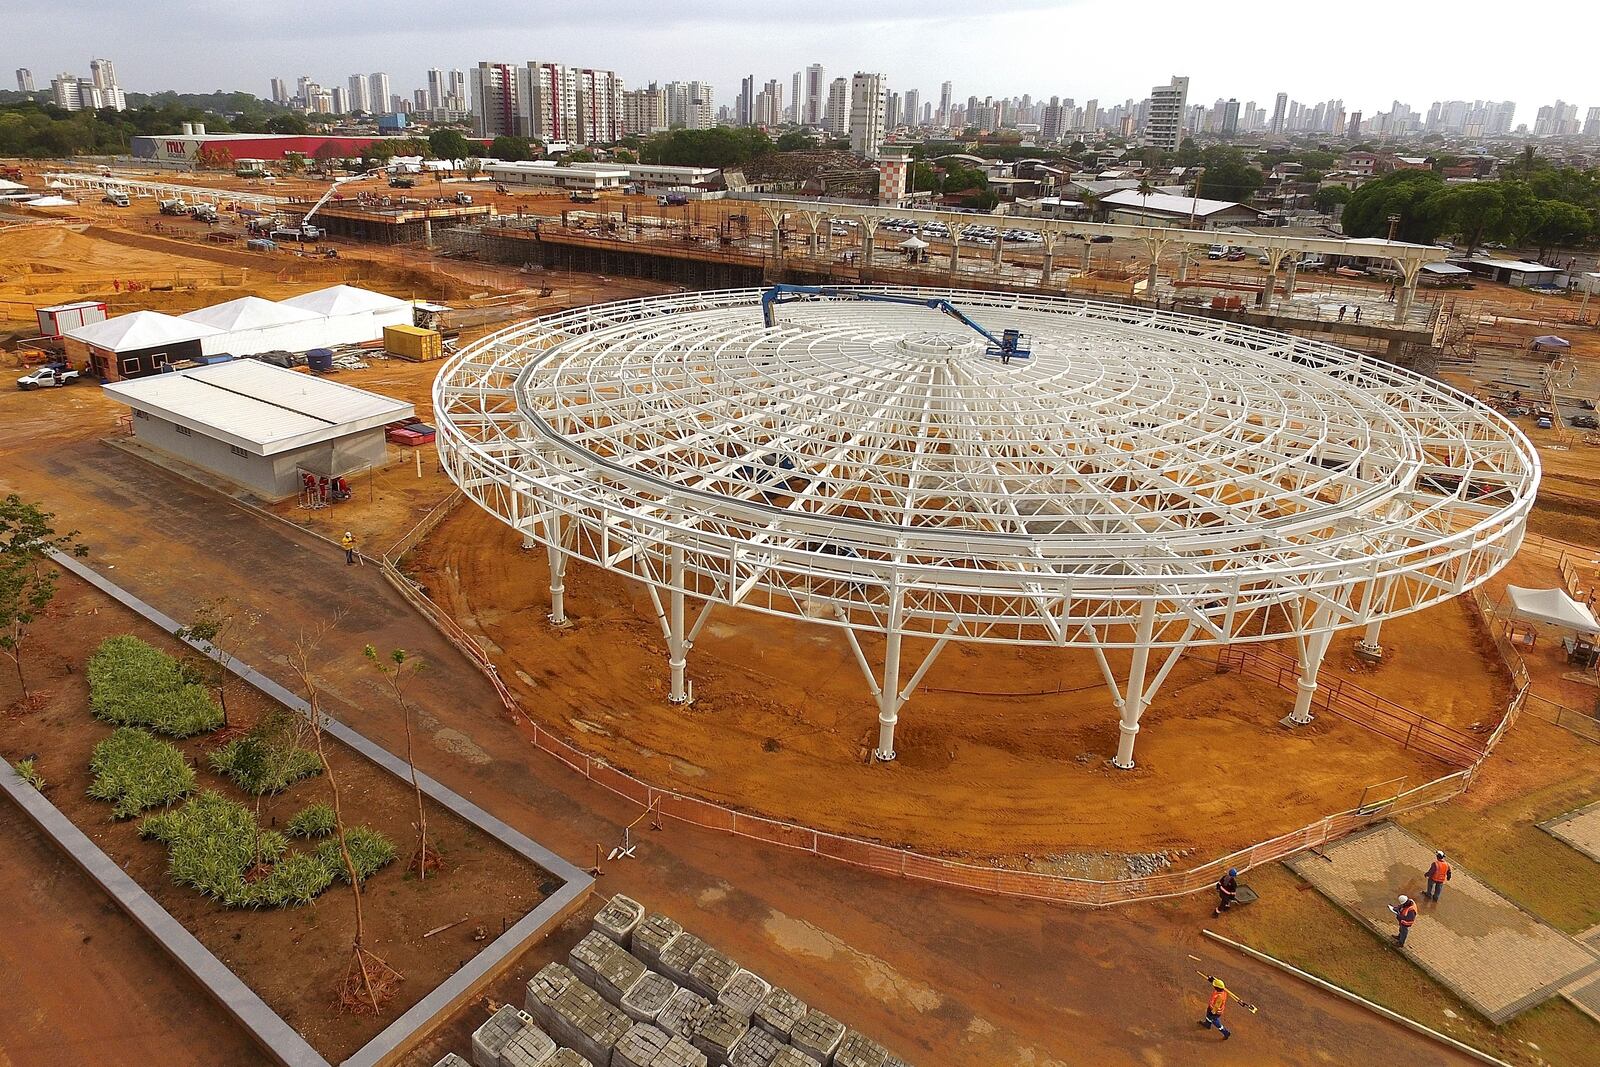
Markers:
1367,52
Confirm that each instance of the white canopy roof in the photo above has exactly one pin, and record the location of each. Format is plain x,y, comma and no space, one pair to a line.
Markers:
1551,606
258,407
913,242
1166,204
10,186
248,313
142,329
342,300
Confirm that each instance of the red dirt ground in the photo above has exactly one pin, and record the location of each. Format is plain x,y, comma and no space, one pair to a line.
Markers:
783,725
292,957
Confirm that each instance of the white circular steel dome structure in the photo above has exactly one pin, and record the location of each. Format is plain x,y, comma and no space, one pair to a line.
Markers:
1145,481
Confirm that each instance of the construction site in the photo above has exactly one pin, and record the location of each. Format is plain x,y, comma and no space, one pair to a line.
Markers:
927,621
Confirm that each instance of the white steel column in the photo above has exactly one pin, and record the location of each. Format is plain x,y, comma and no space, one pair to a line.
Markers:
1133,700
1369,645
889,692
677,638
1312,649
558,583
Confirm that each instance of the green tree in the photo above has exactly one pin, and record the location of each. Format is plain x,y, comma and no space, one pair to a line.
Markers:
1555,224
794,141
448,144
510,149
1329,197
289,123
1229,177
1475,212
27,575
1403,193
583,155
400,670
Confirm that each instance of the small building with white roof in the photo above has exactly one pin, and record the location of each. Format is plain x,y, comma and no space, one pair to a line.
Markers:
130,346
1164,209
261,427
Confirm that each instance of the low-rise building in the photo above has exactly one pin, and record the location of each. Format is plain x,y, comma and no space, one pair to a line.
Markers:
585,177
1161,209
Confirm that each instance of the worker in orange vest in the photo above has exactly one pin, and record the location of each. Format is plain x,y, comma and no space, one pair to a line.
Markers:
1406,913
1215,1007
1438,875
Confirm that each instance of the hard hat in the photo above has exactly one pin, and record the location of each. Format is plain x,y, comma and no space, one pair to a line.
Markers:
1216,983
1404,898
347,533
1439,854
1233,872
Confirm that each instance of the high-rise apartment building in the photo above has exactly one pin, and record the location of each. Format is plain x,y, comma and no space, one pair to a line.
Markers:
911,115
744,105
1230,118
359,94
816,96
943,118
791,111
100,90
103,73
378,91
837,118
1163,126
866,113
25,80
280,91
644,111
598,103
1279,112
497,100
689,105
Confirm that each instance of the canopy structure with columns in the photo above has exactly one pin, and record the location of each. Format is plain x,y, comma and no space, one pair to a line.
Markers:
1146,483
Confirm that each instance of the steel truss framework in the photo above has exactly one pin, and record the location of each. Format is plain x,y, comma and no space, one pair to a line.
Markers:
1147,482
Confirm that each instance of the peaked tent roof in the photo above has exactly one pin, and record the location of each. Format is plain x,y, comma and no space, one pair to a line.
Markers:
142,329
248,313
1551,606
342,300
1170,205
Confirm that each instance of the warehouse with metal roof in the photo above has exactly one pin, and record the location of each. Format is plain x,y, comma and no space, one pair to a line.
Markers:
261,427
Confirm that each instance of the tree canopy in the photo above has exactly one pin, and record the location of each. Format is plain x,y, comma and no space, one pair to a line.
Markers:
1228,175
1402,193
448,144
511,149
722,146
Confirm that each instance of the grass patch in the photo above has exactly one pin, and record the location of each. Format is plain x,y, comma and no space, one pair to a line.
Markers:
132,683
134,772
1307,931
214,845
260,765
313,821
370,851
30,774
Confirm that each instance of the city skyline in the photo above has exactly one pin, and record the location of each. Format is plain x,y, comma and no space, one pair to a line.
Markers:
915,47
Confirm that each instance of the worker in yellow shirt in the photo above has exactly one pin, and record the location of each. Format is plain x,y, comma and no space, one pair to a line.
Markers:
348,543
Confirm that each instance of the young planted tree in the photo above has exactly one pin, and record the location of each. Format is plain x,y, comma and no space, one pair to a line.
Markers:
216,625
398,673
368,981
27,577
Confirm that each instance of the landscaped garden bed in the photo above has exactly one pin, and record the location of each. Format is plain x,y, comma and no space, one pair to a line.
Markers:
231,829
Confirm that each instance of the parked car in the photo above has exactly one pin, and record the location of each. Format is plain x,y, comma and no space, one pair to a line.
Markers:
1234,255
47,377
1586,422
1216,251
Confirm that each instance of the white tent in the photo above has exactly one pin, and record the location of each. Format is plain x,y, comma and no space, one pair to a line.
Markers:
140,330
353,315
251,325
1552,607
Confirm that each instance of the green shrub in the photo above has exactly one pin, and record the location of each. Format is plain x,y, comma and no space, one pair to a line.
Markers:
211,842
313,821
132,683
263,765
295,879
369,851
30,774
134,771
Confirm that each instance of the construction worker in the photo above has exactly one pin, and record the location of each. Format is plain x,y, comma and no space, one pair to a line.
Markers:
1438,875
1215,1007
348,543
1227,890
1406,913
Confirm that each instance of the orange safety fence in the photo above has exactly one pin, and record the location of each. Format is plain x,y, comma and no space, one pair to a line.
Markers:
1036,885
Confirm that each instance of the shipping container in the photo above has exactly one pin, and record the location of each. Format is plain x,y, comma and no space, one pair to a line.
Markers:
413,343
57,320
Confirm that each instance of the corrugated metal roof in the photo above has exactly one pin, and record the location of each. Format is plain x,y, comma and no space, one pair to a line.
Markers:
258,407
1169,205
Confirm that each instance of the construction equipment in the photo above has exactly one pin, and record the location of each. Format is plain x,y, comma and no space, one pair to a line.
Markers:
1006,348
307,232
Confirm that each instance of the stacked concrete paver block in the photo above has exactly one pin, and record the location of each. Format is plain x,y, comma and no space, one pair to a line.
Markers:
618,919
717,1032
817,1033
565,1057
777,1013
683,1012
857,1050
745,992
651,936
452,1060
605,966
756,1048
574,1014
530,1048
789,1056
711,973
648,1046
679,955
643,1003
491,1039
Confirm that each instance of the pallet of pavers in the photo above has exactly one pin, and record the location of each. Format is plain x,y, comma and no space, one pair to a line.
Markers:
641,991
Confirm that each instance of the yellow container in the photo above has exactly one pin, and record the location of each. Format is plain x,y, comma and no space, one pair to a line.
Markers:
413,343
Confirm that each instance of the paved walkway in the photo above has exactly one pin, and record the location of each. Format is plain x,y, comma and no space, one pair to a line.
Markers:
1493,955
1580,829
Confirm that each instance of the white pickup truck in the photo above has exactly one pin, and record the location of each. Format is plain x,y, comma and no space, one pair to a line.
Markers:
47,377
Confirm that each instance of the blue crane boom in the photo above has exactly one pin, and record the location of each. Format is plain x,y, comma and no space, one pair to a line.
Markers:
1007,347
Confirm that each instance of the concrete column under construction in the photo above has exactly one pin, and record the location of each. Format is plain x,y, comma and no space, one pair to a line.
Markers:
1316,645
1409,272
1047,264
1288,278
999,252
955,253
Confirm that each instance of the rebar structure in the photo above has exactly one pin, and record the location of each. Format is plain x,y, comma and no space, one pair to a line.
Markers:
1148,482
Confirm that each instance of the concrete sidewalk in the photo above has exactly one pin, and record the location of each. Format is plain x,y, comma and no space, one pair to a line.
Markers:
1580,829
1496,957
